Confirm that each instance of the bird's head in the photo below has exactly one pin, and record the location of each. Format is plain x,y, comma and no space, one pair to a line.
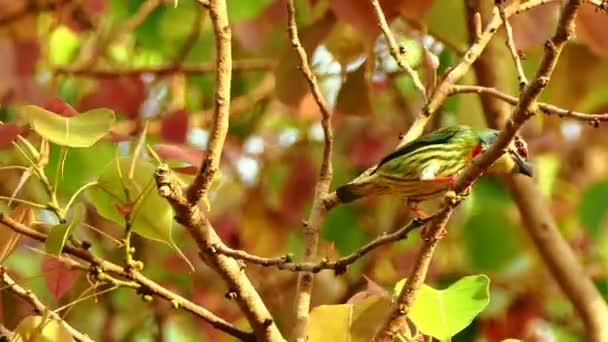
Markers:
514,160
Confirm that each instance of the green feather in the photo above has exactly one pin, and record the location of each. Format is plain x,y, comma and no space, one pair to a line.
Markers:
446,151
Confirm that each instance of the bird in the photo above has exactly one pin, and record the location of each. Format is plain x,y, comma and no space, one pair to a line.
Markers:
427,167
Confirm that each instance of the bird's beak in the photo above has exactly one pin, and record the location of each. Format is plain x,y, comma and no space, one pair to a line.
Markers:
522,166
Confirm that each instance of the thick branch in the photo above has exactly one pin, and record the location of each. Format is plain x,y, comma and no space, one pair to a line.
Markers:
319,210
545,108
145,284
31,298
397,317
396,50
537,219
221,106
240,288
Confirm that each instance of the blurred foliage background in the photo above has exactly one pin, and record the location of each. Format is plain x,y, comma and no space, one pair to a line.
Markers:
149,60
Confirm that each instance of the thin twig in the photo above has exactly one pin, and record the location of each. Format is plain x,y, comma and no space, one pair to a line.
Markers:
31,298
319,210
396,50
456,73
521,75
237,66
146,285
545,108
397,317
339,265
221,106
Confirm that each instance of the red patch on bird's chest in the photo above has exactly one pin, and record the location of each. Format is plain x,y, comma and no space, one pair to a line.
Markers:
476,151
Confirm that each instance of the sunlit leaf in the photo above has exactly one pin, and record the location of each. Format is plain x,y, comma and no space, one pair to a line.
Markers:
443,313
41,329
83,130
154,217
593,207
58,277
59,233
347,322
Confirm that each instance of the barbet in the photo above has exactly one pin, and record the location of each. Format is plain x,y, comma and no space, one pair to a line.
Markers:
428,166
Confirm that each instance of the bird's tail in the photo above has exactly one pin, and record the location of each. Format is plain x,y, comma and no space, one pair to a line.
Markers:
353,191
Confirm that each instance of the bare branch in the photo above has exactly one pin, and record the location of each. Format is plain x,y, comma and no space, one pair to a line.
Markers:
456,73
397,51
339,266
521,76
397,317
221,106
545,108
319,211
237,66
240,288
145,284
31,298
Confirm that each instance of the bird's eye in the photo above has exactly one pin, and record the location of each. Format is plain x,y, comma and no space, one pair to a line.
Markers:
522,150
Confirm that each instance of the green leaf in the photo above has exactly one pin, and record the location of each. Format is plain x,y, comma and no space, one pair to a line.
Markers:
444,313
41,329
245,9
347,322
592,208
490,239
82,130
59,233
153,218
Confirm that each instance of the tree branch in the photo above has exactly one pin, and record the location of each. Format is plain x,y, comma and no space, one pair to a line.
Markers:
395,50
397,317
221,107
339,265
240,288
31,298
456,73
237,66
537,219
319,210
521,76
545,108
146,285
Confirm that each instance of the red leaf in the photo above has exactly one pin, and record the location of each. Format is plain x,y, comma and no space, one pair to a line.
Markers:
367,148
124,95
254,33
532,28
361,15
26,53
373,289
58,277
292,90
592,29
174,126
298,188
180,152
58,106
514,323
8,133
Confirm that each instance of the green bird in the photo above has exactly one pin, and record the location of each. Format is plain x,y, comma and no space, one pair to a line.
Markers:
428,166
